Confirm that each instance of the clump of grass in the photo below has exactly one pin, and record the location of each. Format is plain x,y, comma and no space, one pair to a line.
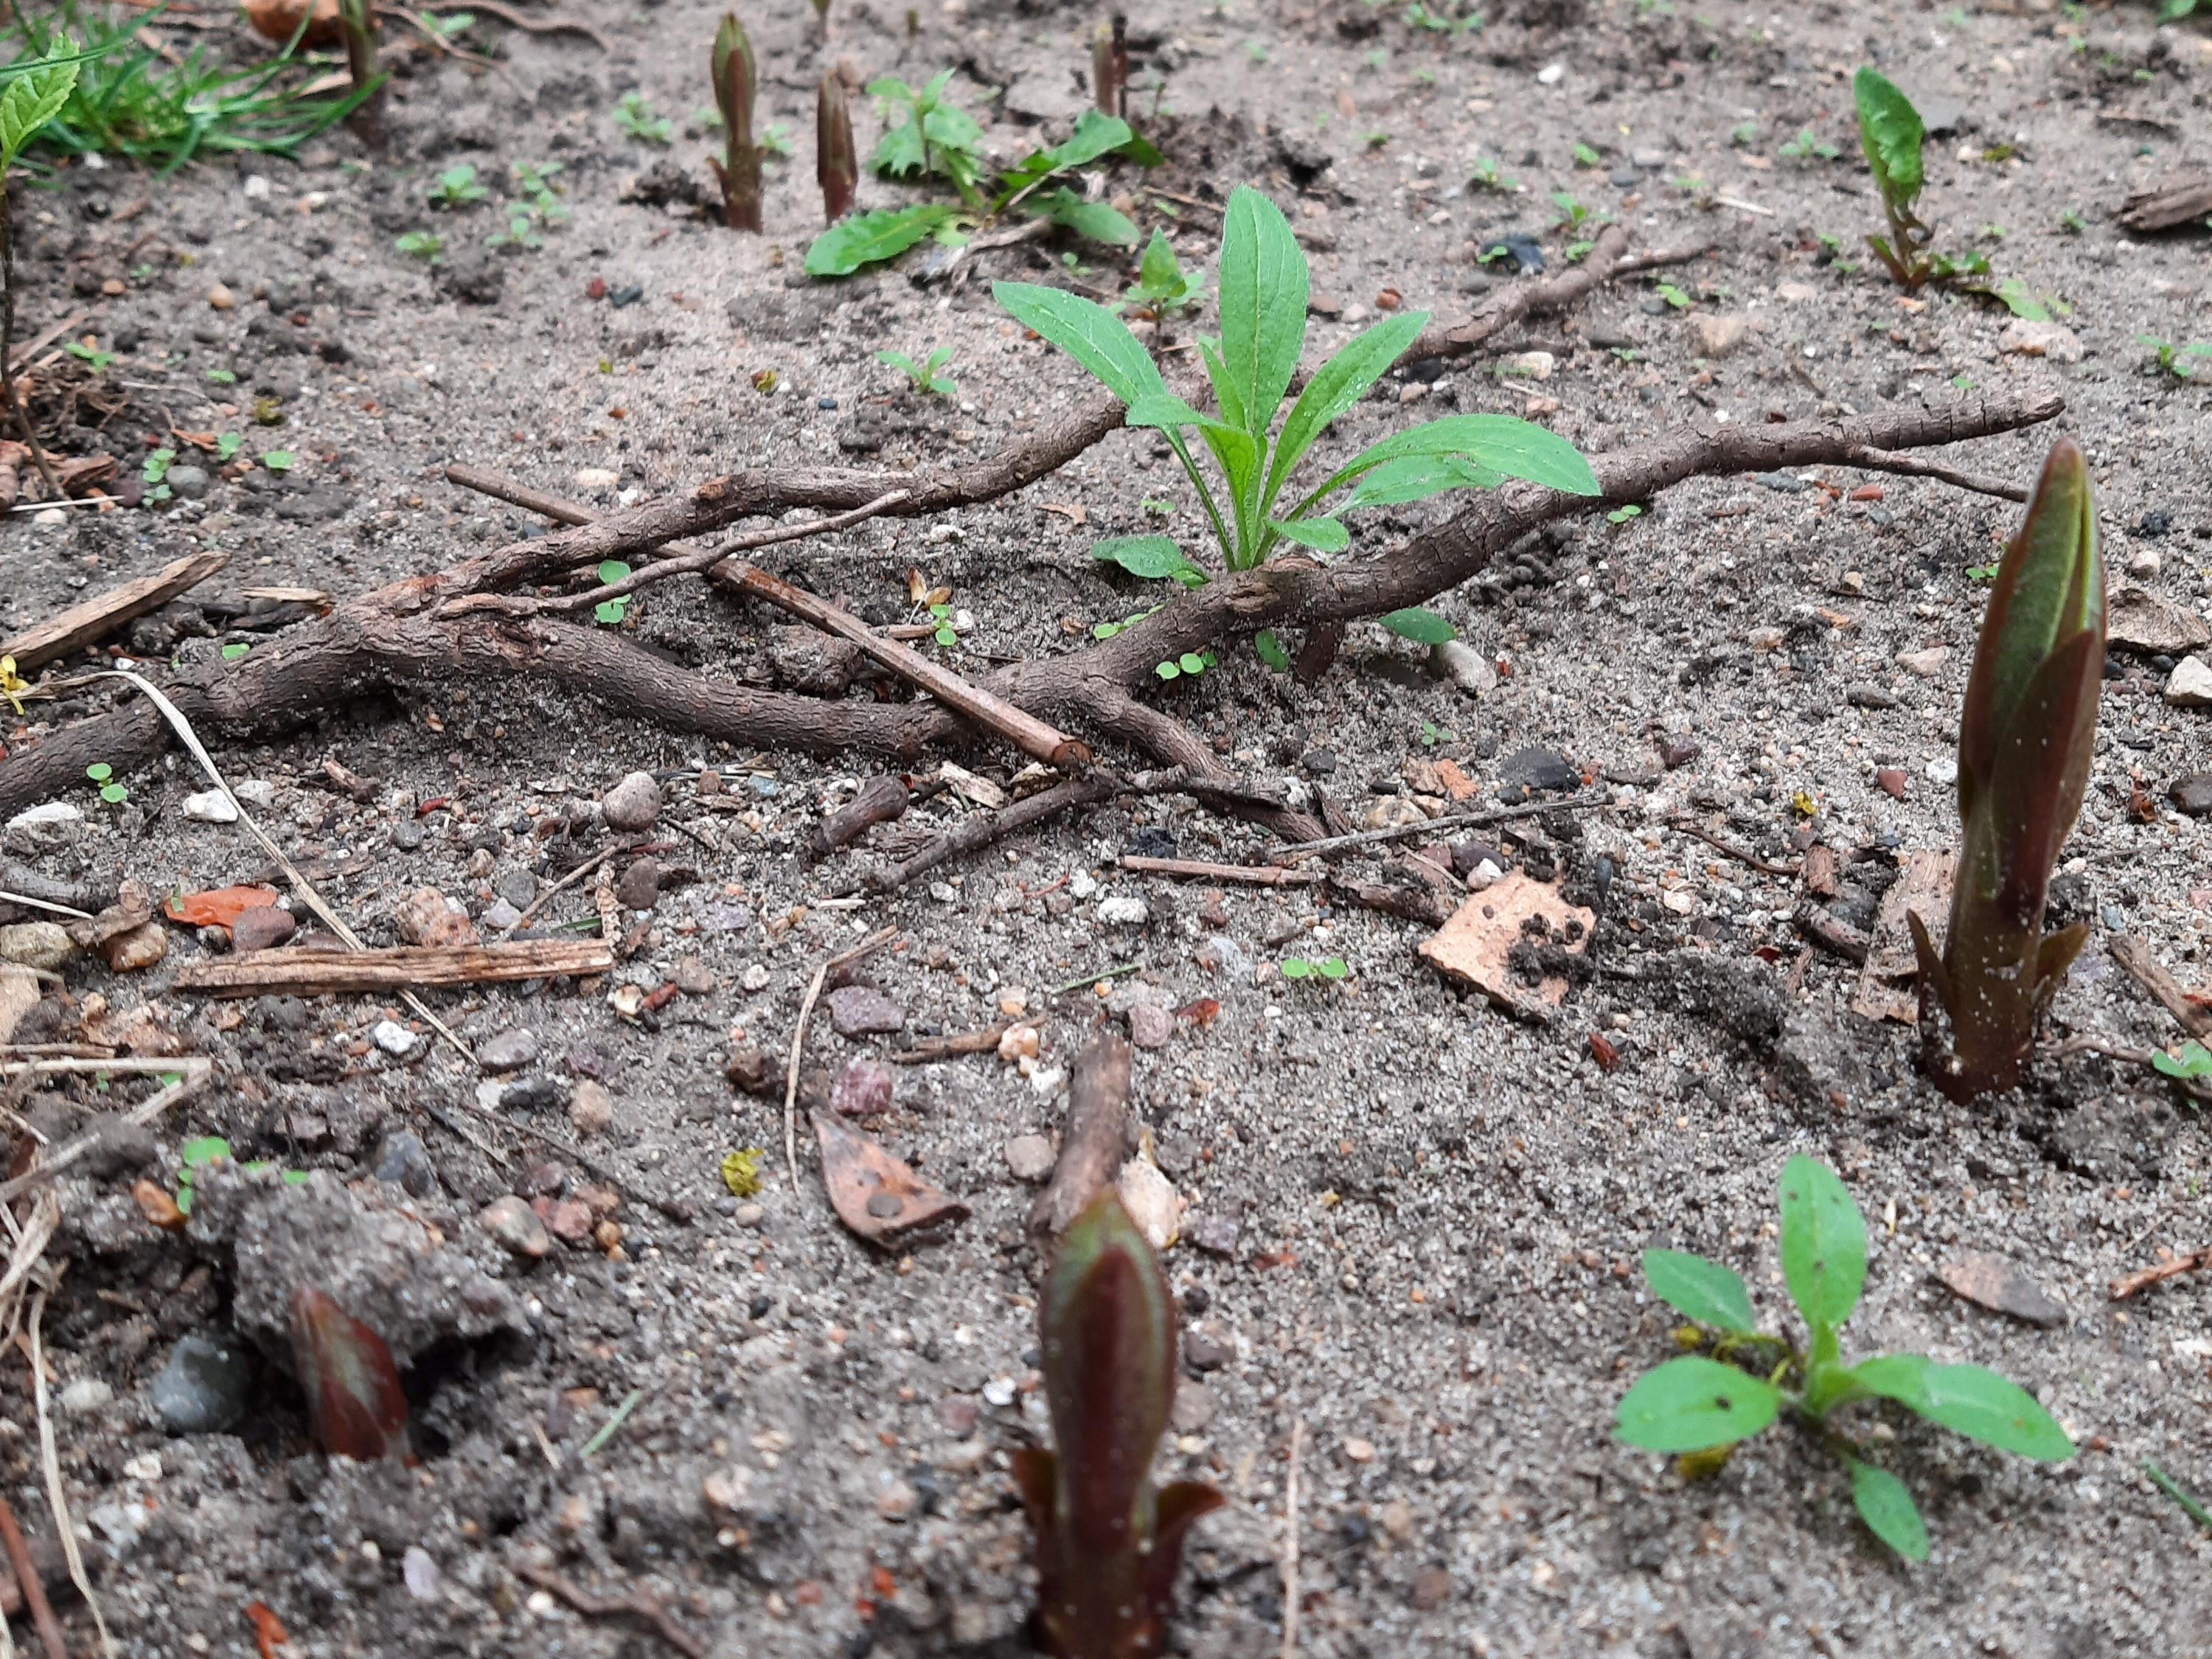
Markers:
128,101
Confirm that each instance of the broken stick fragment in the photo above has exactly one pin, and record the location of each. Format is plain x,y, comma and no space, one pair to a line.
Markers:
1096,1141
305,970
1476,944
97,617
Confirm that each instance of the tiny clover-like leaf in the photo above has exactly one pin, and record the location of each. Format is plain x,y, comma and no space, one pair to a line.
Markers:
1970,1400
113,793
1889,1511
1332,968
1700,1289
1270,650
1824,1252
202,1149
1192,663
1692,1404
100,771
1423,627
1153,557
1168,670
1297,967
610,611
612,571
2194,1061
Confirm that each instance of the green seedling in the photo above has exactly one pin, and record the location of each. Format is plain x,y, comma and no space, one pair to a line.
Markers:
91,356
923,375
355,1401
1807,146
1311,967
1568,212
739,171
2025,740
937,139
2072,223
1673,294
836,162
2191,1062
1261,301
940,617
1744,134
634,114
609,612
155,472
1163,287
277,461
1700,1407
109,791
1981,572
1188,666
1623,514
2166,1484
457,187
1587,157
2173,359
870,237
422,244
1891,134
1109,1542
1485,175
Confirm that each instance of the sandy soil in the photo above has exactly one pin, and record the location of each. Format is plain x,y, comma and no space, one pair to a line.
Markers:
1413,1221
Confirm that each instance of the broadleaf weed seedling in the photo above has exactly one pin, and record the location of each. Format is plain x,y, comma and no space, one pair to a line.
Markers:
100,773
456,187
1807,146
937,139
611,612
1699,1407
421,244
923,375
1315,968
634,114
1263,288
2173,359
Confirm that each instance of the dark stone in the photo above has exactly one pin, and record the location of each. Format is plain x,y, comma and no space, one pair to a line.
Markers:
863,1089
1863,695
1787,483
640,885
1677,749
1521,251
534,1093
2156,523
201,1387
403,1161
2193,794
1319,762
1525,771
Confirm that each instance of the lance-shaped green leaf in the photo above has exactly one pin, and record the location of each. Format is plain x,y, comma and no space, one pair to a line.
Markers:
867,238
1693,1404
1969,1399
354,1398
1512,448
1824,1241
739,170
1108,1543
1891,134
1263,307
836,162
1087,331
1337,385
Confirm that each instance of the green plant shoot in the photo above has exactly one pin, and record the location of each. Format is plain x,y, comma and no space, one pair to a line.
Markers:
1890,132
1703,1404
923,375
1252,505
739,171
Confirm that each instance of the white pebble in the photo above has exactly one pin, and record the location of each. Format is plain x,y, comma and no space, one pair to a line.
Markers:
211,806
392,1037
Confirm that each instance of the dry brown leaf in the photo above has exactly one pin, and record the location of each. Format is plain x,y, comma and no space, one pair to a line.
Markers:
1475,944
874,1194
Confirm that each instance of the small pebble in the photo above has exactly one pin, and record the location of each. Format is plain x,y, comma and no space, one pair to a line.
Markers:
392,1037
632,804
516,1226
211,806
1029,1157
591,1109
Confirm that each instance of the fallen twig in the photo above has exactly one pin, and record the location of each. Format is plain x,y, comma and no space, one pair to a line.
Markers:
1911,466
195,1071
881,800
1431,826
1095,1140
2173,1268
866,947
1739,855
1032,736
2134,955
33,1587
94,618
304,970
50,1463
1250,875
636,1605
563,886
927,1050
1823,928
1291,1541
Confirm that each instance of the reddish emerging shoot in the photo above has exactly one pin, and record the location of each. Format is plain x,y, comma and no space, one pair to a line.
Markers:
2025,741
1108,1543
836,163
739,170
353,1396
